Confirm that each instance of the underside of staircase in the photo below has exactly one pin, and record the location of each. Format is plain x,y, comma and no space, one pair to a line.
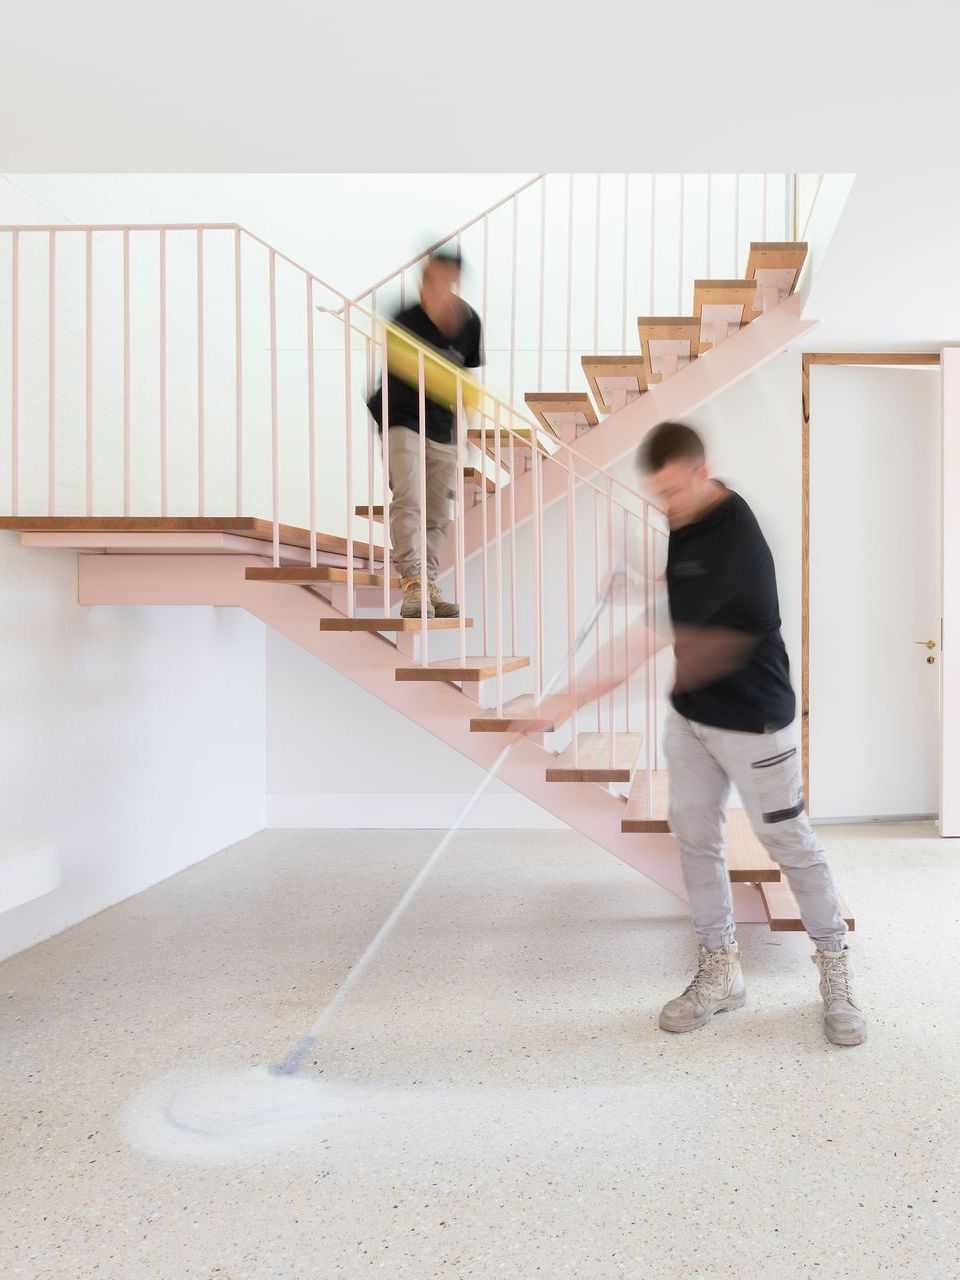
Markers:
220,562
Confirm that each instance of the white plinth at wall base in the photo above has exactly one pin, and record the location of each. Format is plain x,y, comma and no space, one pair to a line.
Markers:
29,868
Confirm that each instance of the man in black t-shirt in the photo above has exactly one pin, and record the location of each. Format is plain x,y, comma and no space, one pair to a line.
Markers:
443,320
731,722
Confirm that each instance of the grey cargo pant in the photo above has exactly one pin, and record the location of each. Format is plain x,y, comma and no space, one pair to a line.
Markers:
405,499
765,767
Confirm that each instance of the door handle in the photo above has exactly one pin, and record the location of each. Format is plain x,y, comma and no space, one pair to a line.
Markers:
930,644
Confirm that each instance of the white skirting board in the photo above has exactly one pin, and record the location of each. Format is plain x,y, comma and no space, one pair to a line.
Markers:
29,868
407,811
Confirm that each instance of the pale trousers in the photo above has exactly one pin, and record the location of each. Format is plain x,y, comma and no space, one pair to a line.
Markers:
405,499
765,768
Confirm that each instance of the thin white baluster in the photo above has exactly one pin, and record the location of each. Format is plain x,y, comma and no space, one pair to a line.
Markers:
626,620
387,493
649,599
15,374
498,529
51,376
126,372
511,491
424,596
609,612
484,594
238,360
653,239
513,303
274,424
572,601
89,372
596,267
709,218
483,288
163,373
763,213
786,206
537,611
596,591
370,374
348,428
683,181
736,228
539,501
626,254
543,249
201,441
311,426
461,520
569,279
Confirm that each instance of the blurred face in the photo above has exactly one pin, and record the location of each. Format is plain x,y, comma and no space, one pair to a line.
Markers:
682,489
438,294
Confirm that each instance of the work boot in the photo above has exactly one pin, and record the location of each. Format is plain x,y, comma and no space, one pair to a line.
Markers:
410,605
717,985
842,1020
442,608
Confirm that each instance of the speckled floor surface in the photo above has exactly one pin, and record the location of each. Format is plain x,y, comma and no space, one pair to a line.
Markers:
507,1107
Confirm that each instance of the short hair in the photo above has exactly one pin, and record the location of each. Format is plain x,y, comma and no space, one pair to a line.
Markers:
449,257
669,442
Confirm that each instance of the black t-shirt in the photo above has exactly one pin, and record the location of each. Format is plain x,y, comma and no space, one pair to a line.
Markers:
464,348
720,573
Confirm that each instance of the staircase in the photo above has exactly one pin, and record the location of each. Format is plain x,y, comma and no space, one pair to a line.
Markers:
541,522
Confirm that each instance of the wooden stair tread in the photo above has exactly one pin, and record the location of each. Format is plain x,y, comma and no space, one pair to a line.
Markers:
374,513
520,715
482,667
474,476
305,576
682,332
732,300
783,913
637,816
626,374
523,438
593,762
559,409
776,264
245,526
747,860
391,624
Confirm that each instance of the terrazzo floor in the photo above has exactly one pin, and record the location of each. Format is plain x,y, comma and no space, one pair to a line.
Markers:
503,1102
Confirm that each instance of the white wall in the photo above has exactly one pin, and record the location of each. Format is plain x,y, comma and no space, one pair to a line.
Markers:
134,738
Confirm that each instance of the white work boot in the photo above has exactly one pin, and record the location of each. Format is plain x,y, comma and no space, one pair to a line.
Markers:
842,1020
717,985
410,605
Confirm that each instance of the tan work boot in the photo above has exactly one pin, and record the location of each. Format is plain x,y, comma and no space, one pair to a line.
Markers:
410,605
717,985
842,1020
442,608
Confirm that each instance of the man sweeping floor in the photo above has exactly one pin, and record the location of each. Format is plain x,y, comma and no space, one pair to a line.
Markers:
732,721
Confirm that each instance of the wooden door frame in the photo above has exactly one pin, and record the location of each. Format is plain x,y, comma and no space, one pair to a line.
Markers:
890,358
